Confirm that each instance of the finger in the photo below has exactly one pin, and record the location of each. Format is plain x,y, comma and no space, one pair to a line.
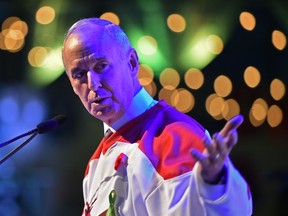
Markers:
221,145
233,139
210,147
202,158
232,124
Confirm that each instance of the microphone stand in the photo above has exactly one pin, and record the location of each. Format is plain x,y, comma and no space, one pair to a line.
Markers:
34,133
18,137
41,128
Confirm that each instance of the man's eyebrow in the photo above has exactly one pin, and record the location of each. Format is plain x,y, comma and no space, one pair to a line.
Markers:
76,66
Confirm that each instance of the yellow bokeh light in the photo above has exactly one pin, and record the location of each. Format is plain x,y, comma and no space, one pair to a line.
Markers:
247,20
222,86
13,40
259,109
45,15
53,59
252,76
214,105
145,74
279,39
277,89
13,34
37,56
9,21
151,88
194,78
183,100
208,101
112,17
176,23
166,94
214,44
147,45
2,44
254,121
274,116
230,109
20,26
169,78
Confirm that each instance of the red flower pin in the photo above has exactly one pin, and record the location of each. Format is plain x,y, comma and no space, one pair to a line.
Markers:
121,160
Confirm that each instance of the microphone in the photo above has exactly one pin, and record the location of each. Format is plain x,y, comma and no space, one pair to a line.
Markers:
51,124
41,128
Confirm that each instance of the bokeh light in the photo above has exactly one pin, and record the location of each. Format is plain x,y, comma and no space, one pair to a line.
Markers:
214,44
145,74
247,20
166,95
169,78
37,56
259,109
9,109
214,105
183,100
277,89
176,22
9,21
252,76
12,36
222,86
147,45
274,116
45,15
279,39
194,78
230,109
112,17
13,40
151,88
21,26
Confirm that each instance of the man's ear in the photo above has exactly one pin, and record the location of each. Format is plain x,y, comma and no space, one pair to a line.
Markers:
133,62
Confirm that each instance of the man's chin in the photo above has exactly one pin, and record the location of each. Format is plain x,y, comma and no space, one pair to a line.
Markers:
104,115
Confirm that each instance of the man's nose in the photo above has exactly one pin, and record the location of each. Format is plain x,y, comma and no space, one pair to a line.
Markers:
93,81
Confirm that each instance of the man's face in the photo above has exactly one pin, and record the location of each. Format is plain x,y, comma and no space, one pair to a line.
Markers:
101,77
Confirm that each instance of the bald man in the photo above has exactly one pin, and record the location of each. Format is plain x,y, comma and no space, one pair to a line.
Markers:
153,160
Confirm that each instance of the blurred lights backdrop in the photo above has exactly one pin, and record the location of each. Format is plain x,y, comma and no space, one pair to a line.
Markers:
209,59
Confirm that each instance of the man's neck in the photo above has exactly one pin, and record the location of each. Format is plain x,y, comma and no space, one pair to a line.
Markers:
141,102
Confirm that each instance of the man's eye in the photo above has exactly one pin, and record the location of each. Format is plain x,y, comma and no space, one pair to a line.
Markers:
101,66
79,74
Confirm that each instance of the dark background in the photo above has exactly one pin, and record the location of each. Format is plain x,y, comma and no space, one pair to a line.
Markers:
45,178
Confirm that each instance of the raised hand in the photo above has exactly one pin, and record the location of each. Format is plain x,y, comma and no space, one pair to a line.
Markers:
217,150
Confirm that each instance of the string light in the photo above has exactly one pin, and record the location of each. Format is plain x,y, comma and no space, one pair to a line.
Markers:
277,89
194,78
112,17
214,44
247,20
252,76
222,86
274,116
169,78
45,15
279,39
183,100
176,23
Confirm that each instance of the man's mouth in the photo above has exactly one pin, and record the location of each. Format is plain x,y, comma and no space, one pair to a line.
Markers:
98,100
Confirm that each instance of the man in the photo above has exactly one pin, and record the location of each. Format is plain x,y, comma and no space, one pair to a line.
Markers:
156,160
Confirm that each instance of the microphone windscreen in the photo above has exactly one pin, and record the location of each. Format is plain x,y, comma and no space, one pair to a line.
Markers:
50,124
61,119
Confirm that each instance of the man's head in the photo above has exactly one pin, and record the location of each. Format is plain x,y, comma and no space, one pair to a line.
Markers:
102,67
